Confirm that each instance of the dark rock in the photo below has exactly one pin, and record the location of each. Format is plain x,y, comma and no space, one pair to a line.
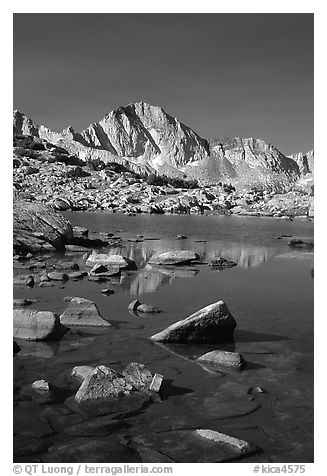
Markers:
16,347
221,263
82,312
91,450
37,325
26,446
213,323
107,291
104,271
22,302
301,243
66,265
134,305
99,426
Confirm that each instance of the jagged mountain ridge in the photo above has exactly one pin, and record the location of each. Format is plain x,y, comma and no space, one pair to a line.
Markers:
146,137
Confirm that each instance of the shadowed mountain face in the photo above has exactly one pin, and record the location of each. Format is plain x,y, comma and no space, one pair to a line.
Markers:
141,135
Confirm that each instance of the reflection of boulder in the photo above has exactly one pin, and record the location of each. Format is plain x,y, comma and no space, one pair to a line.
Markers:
147,281
176,272
244,256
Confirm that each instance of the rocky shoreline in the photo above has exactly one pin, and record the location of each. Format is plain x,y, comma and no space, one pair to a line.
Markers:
47,174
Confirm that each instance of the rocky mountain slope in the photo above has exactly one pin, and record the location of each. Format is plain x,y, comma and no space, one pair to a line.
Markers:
145,139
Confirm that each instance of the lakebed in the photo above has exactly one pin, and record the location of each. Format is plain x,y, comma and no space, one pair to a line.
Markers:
270,295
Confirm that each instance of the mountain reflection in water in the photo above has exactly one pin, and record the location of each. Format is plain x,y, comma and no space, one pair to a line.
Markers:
149,277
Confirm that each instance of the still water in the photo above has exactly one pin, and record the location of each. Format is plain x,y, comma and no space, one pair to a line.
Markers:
270,294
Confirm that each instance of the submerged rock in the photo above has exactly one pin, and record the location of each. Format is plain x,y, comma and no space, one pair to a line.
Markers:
174,257
226,359
82,312
22,302
213,323
37,325
301,243
194,446
91,450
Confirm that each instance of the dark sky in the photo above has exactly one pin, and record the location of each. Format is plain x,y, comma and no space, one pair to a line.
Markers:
222,74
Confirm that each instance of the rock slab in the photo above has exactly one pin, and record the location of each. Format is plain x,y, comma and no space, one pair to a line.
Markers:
82,312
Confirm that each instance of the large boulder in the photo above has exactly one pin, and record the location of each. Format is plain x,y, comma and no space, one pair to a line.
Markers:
37,325
115,261
37,227
213,323
82,312
174,257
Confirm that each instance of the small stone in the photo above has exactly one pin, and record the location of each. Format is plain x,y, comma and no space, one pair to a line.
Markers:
41,385
156,383
81,372
147,309
138,376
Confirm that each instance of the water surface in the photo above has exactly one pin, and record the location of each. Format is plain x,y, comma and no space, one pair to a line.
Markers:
270,294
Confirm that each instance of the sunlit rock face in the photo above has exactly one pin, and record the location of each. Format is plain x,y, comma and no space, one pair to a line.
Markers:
146,132
304,161
145,139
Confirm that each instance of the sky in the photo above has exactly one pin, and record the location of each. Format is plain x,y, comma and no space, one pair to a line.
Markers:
224,75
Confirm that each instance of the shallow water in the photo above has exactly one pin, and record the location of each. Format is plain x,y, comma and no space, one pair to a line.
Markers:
270,294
